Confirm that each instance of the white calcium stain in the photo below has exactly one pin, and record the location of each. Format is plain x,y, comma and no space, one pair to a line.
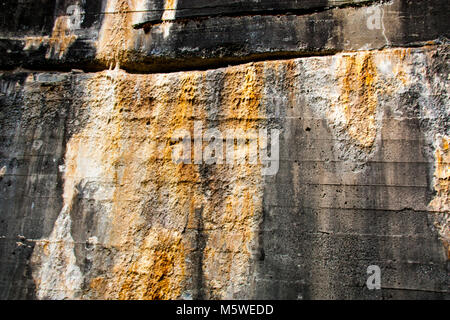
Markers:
168,16
63,34
55,271
2,171
37,144
58,277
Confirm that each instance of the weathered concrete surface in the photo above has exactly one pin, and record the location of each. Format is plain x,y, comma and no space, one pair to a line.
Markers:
61,35
92,205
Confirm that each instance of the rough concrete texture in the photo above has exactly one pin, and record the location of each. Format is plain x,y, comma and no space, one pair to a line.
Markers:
92,205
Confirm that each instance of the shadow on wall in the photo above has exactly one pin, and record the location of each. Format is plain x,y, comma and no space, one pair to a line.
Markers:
326,219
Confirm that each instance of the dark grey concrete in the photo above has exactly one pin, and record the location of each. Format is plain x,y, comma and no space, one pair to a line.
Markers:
227,37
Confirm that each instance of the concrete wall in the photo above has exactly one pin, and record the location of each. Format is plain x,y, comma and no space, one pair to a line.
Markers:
92,205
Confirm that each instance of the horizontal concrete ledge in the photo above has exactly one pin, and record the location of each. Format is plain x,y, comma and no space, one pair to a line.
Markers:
195,10
225,40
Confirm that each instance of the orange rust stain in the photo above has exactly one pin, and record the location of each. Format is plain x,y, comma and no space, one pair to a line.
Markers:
132,113
401,56
290,79
441,202
61,39
98,284
185,108
358,99
169,4
151,277
183,113
156,274
227,255
243,92
442,173
152,268
116,35
58,42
